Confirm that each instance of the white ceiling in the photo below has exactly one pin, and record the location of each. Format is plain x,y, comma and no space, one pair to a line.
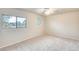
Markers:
58,10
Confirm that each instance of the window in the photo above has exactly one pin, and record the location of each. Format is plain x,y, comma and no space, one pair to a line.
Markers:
9,21
13,21
21,22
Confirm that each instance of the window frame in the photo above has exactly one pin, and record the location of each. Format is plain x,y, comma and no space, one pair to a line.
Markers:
16,20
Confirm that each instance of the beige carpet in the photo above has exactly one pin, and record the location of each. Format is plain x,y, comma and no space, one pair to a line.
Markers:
45,43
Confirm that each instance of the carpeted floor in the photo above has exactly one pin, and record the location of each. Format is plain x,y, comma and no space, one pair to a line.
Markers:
45,43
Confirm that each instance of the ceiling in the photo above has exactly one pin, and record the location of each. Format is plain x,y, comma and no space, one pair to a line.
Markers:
57,11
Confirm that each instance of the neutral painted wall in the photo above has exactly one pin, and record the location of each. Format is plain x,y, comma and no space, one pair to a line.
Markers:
12,36
63,25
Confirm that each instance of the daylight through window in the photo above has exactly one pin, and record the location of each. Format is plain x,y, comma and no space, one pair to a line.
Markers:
13,21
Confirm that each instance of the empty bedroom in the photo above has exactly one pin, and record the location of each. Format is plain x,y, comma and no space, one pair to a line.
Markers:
39,29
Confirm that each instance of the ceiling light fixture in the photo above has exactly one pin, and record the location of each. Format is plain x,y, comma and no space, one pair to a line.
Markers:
49,11
46,11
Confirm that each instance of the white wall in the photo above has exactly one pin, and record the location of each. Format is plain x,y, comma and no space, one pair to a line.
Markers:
12,36
63,25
